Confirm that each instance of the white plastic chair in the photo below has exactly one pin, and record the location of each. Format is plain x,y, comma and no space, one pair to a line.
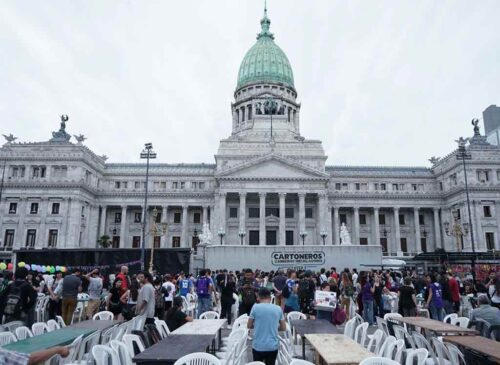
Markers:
123,352
6,338
23,333
388,341
60,320
198,358
349,328
450,317
461,321
378,361
87,344
360,333
376,341
442,352
419,354
300,362
209,315
103,316
395,350
255,363
39,328
457,357
53,325
13,325
162,327
74,351
235,338
105,355
402,334
130,340
422,343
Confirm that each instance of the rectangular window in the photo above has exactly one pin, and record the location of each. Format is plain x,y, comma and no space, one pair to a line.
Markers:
383,186
183,184
176,241
414,187
289,213
253,238
31,238
194,185
177,217
421,220
9,237
34,208
55,208
453,179
253,212
137,217
156,185
309,213
158,217
201,185
272,212
345,186
196,217
163,185
175,185
117,184
362,219
289,238
383,243
136,241
115,242
456,214
441,186
381,219
343,218
375,186
233,212
423,244
157,241
118,217
404,244
124,184
487,211
490,240
357,186
52,241
402,220
12,208
395,187
402,187
363,241
338,186
137,184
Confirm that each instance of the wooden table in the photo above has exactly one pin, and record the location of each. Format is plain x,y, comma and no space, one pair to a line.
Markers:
337,349
95,324
439,328
211,327
61,337
312,326
172,348
479,344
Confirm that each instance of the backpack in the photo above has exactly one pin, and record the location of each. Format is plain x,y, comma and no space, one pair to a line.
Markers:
303,288
14,301
349,291
248,295
159,298
339,315
202,286
3,285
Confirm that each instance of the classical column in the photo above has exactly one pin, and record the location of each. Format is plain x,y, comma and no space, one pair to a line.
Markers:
336,226
61,236
222,213
123,228
262,219
282,227
243,200
437,229
41,238
416,220
376,226
397,232
205,215
497,234
355,230
479,239
102,221
185,223
322,210
302,212
19,237
164,219
329,230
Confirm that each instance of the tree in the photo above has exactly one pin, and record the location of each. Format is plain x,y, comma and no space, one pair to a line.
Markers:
104,241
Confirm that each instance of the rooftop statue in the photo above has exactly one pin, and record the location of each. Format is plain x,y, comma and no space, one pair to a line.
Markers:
80,138
10,138
61,136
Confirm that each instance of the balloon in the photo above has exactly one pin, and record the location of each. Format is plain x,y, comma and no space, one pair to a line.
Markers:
44,269
10,266
47,268
52,269
3,266
58,268
21,264
28,267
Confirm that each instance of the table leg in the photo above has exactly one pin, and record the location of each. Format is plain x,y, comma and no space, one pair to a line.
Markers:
220,338
304,347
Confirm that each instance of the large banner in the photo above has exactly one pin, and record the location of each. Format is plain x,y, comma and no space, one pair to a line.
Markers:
108,260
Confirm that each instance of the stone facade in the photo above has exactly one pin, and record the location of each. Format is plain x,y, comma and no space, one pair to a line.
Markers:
268,186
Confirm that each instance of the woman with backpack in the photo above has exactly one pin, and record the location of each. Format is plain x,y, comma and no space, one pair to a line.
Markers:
113,300
347,292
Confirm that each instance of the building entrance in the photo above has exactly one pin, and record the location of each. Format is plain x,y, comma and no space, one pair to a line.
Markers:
271,238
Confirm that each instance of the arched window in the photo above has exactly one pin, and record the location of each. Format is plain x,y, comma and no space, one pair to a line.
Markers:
294,115
289,114
237,116
243,114
249,112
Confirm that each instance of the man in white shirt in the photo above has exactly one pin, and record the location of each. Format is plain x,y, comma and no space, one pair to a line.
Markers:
168,290
146,298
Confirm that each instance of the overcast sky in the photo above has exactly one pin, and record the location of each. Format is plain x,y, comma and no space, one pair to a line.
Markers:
380,82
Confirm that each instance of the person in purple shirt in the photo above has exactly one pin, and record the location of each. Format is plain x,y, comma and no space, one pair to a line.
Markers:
367,298
435,299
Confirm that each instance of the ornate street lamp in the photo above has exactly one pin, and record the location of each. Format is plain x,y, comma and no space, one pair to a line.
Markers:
457,230
323,235
303,235
221,234
157,229
147,153
242,235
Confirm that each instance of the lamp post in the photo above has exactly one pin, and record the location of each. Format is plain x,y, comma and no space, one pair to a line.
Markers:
456,230
303,235
242,235
270,106
147,153
221,234
156,228
196,240
323,235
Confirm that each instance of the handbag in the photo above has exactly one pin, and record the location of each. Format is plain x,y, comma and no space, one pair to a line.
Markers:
338,316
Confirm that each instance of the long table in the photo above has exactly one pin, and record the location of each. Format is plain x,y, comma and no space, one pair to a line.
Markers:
312,326
210,327
172,348
97,325
61,337
438,327
337,349
480,344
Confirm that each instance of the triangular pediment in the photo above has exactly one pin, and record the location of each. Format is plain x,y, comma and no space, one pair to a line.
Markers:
272,167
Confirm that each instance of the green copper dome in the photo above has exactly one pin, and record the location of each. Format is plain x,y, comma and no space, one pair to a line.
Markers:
265,61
